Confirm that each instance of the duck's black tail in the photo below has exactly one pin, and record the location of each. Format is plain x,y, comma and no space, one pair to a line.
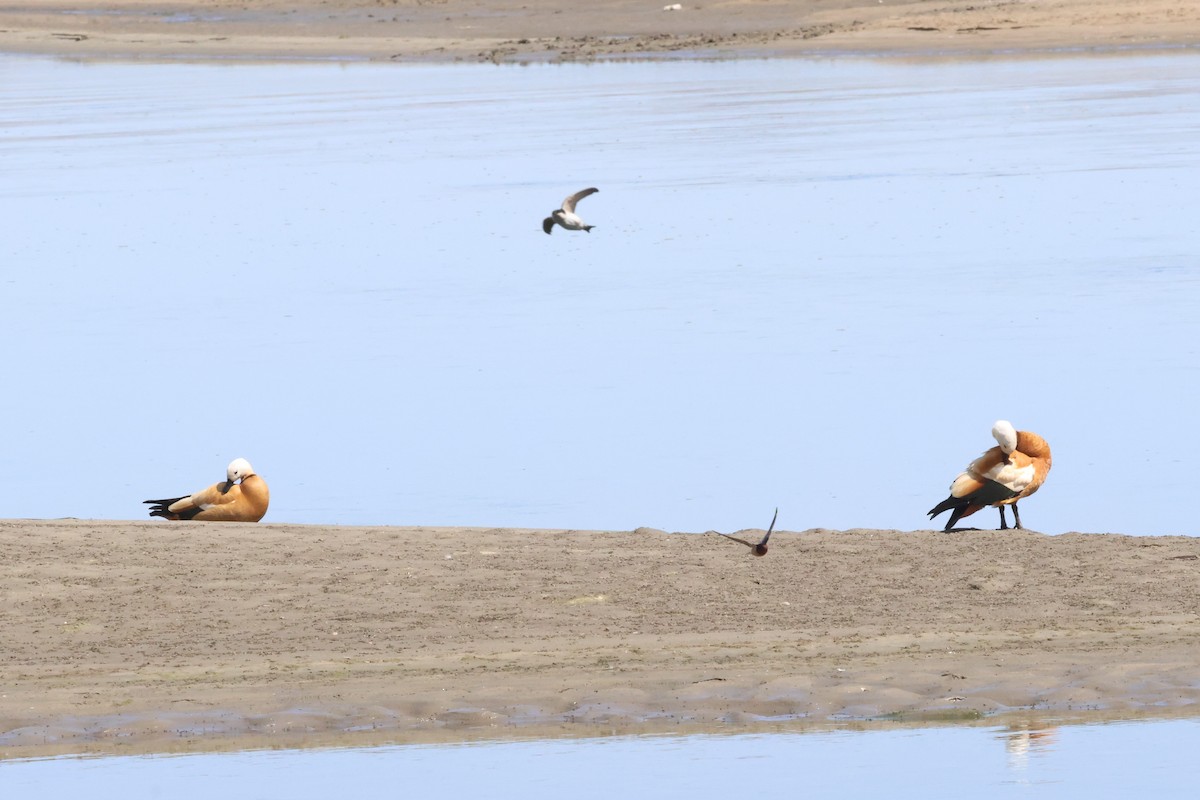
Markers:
988,494
158,508
947,504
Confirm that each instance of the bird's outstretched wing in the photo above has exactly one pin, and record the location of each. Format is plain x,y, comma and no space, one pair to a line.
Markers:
736,539
569,204
768,536
548,224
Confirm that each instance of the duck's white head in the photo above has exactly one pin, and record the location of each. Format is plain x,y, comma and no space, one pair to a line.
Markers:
1005,434
240,468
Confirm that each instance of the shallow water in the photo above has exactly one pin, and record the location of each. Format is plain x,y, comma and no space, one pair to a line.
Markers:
812,285
1116,760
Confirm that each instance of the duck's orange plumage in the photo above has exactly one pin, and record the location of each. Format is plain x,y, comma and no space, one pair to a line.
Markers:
227,501
1002,476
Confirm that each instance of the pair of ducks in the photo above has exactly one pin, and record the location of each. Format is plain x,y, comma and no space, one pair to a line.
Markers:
1011,471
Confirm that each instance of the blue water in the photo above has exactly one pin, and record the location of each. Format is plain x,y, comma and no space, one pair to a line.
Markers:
1154,759
812,285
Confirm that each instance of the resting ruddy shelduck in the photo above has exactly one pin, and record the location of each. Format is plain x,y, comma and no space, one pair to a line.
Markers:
227,501
1010,471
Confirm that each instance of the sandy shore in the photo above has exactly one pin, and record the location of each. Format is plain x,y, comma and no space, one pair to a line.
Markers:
564,30
132,636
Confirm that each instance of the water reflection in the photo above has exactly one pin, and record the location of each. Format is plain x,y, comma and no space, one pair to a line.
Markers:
1084,761
1022,742
808,279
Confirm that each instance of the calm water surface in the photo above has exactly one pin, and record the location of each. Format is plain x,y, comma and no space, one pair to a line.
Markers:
1117,760
812,285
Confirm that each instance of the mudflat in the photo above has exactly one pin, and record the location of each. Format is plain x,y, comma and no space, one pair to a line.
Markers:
563,30
154,636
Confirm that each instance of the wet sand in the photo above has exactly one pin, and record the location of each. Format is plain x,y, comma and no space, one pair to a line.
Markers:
149,636
561,30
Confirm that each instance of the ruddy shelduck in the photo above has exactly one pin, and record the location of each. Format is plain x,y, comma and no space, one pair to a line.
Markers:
566,215
1011,471
241,497
756,548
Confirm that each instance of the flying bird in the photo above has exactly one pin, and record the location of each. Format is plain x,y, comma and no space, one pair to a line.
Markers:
759,549
1012,470
566,215
227,501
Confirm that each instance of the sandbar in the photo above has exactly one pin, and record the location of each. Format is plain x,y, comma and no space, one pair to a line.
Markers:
155,636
